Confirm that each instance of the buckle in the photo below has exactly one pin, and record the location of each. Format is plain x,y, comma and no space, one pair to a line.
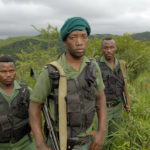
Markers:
71,142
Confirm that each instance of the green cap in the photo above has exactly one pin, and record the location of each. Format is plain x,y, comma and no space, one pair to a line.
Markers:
74,23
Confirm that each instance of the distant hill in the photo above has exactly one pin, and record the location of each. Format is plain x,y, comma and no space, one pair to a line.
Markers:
140,36
14,45
136,36
101,36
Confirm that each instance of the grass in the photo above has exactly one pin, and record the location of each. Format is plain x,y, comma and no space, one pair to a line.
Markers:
134,134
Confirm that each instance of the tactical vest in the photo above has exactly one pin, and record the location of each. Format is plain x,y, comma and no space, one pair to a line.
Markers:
14,123
113,81
80,99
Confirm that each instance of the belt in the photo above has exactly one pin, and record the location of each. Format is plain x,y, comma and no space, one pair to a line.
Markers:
71,142
112,104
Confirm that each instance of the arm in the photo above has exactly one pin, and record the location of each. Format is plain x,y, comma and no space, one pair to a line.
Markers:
37,97
101,112
99,136
36,125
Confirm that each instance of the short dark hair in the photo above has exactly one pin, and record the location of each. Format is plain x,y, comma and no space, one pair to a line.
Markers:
107,39
6,59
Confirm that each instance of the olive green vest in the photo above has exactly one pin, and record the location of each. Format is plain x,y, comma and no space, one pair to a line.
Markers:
80,99
114,81
14,116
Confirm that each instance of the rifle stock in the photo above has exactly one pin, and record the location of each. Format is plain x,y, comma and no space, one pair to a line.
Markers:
125,105
48,121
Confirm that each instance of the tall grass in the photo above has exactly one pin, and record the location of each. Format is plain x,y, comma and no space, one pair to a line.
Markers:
134,134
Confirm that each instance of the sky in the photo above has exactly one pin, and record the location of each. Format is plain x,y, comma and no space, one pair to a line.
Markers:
104,16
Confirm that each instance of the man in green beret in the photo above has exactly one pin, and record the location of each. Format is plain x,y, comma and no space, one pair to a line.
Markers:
72,113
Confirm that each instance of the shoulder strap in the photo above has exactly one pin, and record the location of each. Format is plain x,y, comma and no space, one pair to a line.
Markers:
97,59
24,92
62,92
124,72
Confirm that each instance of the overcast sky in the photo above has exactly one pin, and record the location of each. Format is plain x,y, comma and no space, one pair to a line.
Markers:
104,16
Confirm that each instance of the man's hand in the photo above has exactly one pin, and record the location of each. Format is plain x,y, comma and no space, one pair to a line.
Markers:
43,146
98,140
99,136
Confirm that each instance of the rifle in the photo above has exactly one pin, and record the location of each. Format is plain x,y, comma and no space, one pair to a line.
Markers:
48,121
92,55
125,105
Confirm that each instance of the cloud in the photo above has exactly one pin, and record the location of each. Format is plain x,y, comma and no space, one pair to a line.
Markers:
117,16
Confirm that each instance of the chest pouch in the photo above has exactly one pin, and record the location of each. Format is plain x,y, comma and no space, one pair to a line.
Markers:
5,128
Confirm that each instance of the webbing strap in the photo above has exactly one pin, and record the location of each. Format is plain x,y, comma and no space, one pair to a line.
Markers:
62,114
123,69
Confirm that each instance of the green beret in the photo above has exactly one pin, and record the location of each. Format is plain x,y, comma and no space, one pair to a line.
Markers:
74,23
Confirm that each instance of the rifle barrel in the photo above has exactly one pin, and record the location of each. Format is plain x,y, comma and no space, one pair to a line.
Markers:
47,118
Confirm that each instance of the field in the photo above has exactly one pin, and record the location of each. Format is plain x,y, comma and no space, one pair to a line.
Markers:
133,134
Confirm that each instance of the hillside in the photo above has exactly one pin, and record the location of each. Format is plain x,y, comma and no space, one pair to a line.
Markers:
143,35
136,36
14,45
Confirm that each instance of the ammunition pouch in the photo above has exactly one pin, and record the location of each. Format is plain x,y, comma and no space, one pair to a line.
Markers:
54,76
8,133
5,127
113,81
18,106
73,109
80,99
14,123
21,109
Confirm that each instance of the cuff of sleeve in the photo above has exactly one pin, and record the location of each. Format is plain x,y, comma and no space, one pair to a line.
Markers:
101,89
33,99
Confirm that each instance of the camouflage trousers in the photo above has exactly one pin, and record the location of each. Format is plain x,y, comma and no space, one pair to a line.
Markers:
23,144
114,117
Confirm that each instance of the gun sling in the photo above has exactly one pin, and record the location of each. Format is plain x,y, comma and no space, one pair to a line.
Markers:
62,114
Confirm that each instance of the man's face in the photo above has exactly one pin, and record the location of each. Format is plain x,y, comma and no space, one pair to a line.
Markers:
76,43
7,73
109,49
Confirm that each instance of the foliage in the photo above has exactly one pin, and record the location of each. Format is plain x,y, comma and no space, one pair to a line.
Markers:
136,53
134,134
36,57
16,47
48,38
95,42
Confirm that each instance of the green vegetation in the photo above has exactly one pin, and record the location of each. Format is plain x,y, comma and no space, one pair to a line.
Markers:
37,51
14,45
134,134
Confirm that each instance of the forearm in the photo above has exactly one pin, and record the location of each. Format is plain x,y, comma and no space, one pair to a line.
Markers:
99,136
36,122
101,112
